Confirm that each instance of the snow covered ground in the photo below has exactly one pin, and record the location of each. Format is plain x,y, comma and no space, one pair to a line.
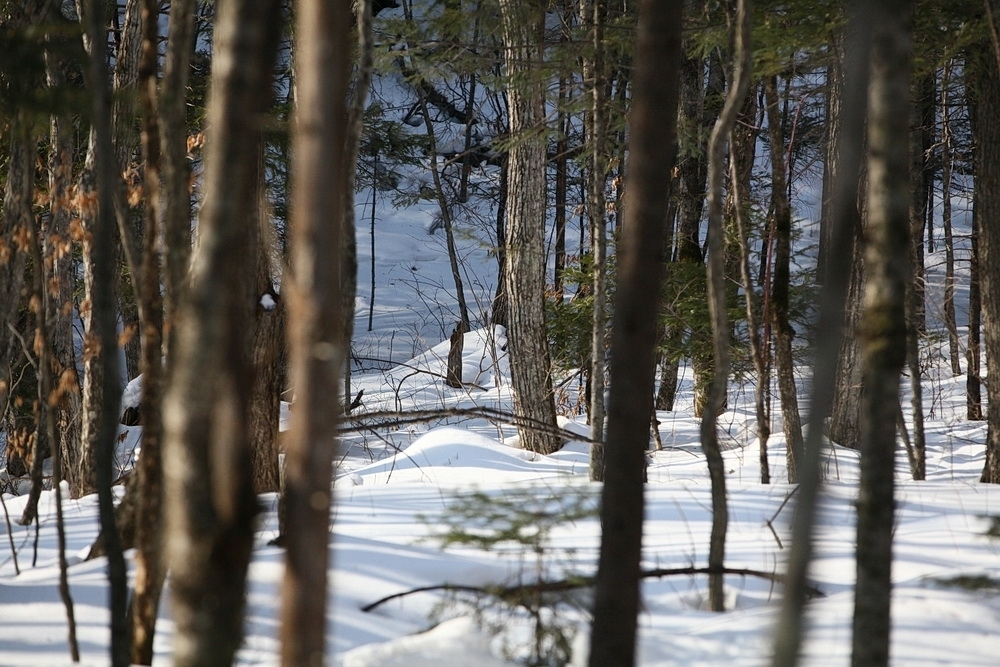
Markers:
389,507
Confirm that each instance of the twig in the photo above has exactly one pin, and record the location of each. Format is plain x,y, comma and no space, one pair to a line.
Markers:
770,522
397,418
10,534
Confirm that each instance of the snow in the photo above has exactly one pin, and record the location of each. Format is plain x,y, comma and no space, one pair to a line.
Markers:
394,495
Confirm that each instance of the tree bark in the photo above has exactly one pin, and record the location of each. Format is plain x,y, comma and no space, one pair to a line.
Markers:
783,332
101,342
318,344
523,26
15,219
56,246
840,205
985,83
150,571
596,124
947,168
640,270
883,325
739,84
176,169
207,477
844,424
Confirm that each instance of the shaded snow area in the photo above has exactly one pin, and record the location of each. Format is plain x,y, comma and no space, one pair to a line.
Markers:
397,494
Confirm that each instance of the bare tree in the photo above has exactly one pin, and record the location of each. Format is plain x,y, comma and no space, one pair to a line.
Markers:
318,344
721,133
207,477
640,271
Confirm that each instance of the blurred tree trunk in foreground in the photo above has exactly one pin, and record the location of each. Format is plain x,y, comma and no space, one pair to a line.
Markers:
318,342
209,494
640,271
883,325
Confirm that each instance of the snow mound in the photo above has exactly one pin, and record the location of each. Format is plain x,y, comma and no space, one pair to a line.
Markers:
457,641
458,454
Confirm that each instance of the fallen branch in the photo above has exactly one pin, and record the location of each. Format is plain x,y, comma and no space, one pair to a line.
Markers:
382,419
517,592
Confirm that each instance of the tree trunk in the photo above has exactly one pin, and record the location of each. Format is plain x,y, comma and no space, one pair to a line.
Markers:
320,177
596,123
973,351
101,339
696,118
844,425
445,209
562,163
209,494
783,332
15,218
176,168
640,269
150,569
739,84
498,309
524,279
267,347
923,119
985,74
840,213
883,325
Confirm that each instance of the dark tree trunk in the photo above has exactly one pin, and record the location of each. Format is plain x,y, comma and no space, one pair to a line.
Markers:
211,515
654,104
150,569
883,325
984,72
498,309
176,169
923,118
844,427
16,222
783,331
103,318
